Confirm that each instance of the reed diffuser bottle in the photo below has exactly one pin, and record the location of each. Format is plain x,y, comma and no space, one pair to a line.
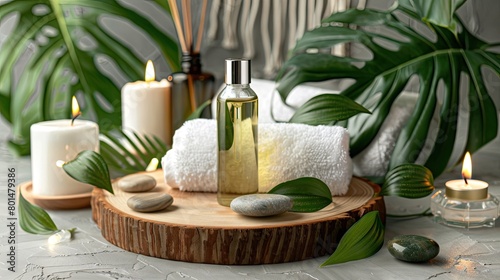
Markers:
191,87
237,117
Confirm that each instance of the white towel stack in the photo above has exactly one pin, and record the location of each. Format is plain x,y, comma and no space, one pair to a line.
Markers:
286,152
374,159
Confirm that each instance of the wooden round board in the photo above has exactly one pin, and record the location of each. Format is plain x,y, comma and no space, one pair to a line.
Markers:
60,202
197,229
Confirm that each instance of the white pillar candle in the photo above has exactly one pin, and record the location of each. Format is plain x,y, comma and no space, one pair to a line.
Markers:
59,140
146,107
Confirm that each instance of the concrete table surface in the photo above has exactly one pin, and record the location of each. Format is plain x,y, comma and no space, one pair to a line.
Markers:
465,254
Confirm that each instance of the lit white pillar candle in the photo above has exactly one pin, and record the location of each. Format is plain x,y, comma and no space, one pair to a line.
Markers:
146,106
56,140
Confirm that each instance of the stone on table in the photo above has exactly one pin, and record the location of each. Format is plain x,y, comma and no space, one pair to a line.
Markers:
137,183
413,248
150,202
261,205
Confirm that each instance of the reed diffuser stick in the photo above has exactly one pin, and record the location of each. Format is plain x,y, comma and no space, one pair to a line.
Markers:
177,23
201,26
192,97
188,29
187,40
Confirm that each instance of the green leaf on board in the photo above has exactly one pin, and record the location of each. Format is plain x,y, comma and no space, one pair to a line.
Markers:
34,219
362,240
197,113
128,152
308,194
408,180
327,108
89,167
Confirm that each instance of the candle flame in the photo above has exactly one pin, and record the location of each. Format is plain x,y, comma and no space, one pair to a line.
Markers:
60,163
467,167
150,72
153,165
75,108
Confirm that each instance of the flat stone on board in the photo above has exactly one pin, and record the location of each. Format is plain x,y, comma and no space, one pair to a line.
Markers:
261,205
150,202
137,183
413,248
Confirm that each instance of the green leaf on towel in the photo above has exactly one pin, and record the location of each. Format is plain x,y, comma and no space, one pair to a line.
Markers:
362,240
327,108
308,194
408,180
197,113
34,219
89,167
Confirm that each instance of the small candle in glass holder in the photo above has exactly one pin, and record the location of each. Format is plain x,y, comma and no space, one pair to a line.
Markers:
465,203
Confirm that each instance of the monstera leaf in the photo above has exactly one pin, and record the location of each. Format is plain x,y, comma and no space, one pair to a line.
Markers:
65,49
441,60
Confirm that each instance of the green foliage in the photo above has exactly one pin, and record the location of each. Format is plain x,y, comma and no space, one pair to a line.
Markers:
324,109
398,53
65,46
308,194
127,153
439,12
197,113
34,219
89,167
225,128
362,240
408,180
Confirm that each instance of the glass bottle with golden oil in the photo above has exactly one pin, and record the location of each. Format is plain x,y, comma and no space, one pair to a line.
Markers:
237,116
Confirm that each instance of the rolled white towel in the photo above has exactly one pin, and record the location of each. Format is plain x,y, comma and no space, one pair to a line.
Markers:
374,159
286,152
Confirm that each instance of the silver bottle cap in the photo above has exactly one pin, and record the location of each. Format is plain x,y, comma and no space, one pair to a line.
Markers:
237,71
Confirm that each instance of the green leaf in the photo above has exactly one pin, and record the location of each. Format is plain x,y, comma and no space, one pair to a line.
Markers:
326,108
396,53
34,219
408,180
89,167
18,148
441,12
127,153
71,50
308,194
362,240
197,113
313,67
225,129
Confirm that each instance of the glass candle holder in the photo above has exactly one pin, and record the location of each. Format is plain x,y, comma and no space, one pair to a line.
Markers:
465,207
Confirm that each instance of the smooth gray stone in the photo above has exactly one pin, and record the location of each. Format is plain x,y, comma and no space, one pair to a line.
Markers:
413,248
150,202
137,183
261,205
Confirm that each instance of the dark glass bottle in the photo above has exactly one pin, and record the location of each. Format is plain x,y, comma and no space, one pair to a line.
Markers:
190,89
